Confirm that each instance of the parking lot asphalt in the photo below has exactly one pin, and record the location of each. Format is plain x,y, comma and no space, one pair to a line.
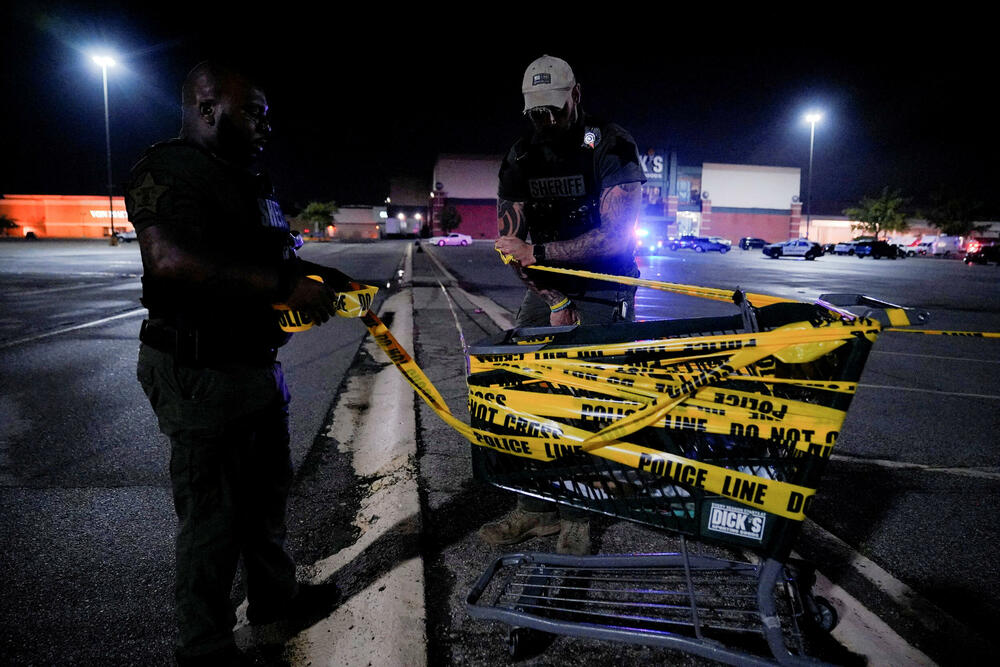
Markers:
904,518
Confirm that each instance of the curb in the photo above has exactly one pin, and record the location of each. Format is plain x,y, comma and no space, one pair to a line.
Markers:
381,622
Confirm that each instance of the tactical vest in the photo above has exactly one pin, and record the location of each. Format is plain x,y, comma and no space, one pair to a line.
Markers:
563,188
236,216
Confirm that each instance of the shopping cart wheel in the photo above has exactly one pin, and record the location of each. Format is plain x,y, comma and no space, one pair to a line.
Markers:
525,642
822,614
517,641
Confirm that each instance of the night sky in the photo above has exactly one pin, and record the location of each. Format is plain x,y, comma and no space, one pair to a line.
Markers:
362,97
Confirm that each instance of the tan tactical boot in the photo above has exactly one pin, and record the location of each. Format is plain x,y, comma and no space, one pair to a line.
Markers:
574,538
518,526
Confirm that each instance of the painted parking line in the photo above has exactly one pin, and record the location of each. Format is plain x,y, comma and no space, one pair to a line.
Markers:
85,325
958,394
985,472
937,356
20,294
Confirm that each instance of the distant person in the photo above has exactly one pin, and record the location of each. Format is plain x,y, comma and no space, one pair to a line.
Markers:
573,184
216,254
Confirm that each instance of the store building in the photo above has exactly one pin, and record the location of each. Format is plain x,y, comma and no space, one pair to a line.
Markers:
731,201
407,207
357,223
64,216
468,183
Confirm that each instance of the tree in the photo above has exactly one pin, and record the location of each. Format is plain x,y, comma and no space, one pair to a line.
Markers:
450,219
954,216
881,214
317,214
6,223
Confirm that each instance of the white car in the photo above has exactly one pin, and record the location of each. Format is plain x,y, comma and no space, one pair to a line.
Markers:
451,239
844,248
126,237
794,248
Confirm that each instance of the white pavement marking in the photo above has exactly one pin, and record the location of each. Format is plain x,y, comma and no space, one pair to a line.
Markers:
385,623
929,391
863,633
903,465
47,334
859,630
937,356
500,316
68,288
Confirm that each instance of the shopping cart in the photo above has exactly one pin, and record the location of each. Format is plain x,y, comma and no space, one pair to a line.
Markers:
762,430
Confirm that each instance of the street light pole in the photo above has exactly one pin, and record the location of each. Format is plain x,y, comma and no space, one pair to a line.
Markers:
105,62
812,119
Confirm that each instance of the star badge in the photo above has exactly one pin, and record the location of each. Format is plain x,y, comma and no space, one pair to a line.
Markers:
145,195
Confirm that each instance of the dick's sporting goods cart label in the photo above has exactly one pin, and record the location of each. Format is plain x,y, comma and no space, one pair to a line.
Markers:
725,521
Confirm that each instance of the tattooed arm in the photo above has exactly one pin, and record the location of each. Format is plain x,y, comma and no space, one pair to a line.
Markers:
620,206
619,211
513,232
510,219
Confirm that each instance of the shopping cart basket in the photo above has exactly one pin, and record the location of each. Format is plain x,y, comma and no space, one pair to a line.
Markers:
714,429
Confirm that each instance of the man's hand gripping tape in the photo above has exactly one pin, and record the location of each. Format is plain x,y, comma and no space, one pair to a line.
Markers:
350,303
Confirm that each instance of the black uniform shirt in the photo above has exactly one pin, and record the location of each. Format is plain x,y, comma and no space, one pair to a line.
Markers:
561,181
231,213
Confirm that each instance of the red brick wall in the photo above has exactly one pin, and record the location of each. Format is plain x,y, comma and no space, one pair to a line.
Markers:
734,226
479,220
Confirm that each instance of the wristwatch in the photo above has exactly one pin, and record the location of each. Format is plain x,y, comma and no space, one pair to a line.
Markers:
538,250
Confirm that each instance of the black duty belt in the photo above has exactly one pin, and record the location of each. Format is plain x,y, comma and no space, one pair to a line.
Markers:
199,348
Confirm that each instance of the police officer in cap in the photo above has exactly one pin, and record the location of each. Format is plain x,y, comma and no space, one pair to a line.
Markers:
216,254
569,196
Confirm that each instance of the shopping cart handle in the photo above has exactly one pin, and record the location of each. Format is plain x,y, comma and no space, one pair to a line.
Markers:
886,313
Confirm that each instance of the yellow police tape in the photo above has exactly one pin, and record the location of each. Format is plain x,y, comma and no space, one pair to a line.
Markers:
691,290
960,334
351,303
671,387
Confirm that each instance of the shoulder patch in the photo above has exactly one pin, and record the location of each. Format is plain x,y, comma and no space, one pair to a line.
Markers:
591,136
146,195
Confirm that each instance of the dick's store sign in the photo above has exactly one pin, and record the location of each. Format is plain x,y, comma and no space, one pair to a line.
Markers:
654,190
654,167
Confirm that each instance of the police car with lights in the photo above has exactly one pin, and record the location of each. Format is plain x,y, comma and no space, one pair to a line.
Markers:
795,248
701,243
980,252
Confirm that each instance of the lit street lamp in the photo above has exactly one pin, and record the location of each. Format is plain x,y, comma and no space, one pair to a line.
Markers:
811,118
105,62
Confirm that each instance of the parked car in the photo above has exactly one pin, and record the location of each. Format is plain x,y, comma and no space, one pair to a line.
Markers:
795,248
748,242
651,247
451,239
650,242
982,253
875,250
923,248
849,247
701,243
828,248
126,237
681,242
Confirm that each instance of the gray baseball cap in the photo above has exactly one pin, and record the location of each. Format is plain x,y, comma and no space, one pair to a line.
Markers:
547,83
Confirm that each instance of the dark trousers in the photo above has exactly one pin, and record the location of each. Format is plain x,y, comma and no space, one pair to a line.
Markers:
615,304
231,471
